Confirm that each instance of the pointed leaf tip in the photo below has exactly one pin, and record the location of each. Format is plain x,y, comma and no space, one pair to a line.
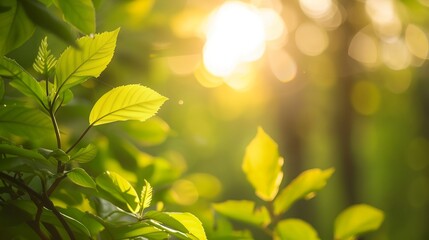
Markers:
129,102
263,165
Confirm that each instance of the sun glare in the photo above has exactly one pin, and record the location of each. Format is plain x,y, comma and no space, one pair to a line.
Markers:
236,34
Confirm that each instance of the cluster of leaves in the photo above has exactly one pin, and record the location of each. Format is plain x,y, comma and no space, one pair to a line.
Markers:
263,168
19,19
110,207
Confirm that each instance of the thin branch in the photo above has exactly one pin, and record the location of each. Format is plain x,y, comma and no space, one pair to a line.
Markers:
80,138
55,185
55,124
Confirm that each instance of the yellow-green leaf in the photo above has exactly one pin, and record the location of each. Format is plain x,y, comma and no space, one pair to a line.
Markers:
356,220
191,223
145,196
120,189
244,211
263,165
80,177
85,154
129,102
76,65
306,183
294,229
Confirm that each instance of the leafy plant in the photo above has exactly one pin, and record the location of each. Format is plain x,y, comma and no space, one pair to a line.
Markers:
262,166
32,179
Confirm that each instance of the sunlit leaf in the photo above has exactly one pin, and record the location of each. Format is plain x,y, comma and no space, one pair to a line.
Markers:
120,189
41,16
75,66
80,13
145,196
356,220
21,80
295,229
85,154
129,102
44,61
24,122
15,26
80,177
244,211
166,220
192,224
306,183
262,165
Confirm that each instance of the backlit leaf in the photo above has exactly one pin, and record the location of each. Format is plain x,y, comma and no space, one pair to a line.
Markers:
15,26
120,189
192,224
75,66
85,154
244,211
145,196
80,13
21,79
138,229
45,61
306,183
262,165
356,220
166,220
80,177
24,122
129,102
294,229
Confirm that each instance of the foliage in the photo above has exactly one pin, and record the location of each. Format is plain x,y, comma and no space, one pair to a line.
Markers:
32,179
350,223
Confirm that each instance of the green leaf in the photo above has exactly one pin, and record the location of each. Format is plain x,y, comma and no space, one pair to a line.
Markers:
302,186
192,224
139,229
15,26
168,221
49,217
80,13
145,196
294,229
25,122
129,102
85,154
41,16
263,166
22,80
75,66
356,220
44,61
244,211
21,152
80,177
120,189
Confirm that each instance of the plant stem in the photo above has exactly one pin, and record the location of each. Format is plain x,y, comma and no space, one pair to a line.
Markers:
80,138
39,199
55,124
55,184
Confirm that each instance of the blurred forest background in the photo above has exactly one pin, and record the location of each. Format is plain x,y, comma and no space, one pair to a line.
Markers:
340,84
